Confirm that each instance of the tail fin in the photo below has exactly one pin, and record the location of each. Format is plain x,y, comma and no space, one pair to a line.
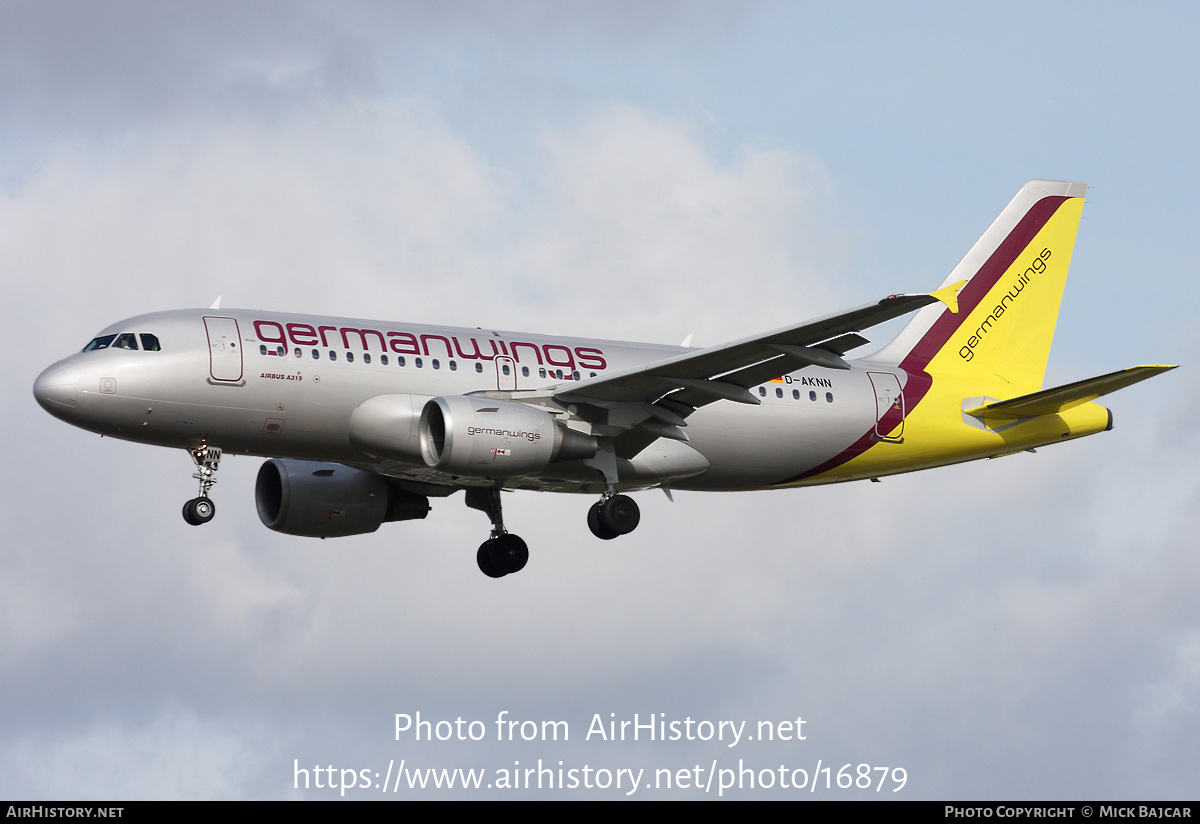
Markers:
1009,304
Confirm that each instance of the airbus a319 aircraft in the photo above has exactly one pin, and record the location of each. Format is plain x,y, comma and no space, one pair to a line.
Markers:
363,422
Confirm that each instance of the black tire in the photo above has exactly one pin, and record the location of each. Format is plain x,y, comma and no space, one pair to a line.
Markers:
484,558
620,514
203,510
189,514
598,529
509,553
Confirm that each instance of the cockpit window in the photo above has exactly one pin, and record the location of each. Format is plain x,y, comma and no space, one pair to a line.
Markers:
101,342
150,342
125,341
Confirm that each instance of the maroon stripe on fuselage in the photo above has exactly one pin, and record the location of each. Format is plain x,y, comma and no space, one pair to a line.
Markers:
914,363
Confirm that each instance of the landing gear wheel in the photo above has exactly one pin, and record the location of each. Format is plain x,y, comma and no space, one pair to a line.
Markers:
484,558
619,515
508,552
598,529
504,552
199,511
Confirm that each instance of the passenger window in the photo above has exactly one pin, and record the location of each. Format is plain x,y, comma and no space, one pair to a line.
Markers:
125,341
417,362
316,354
478,367
262,349
400,361
349,357
829,397
99,343
366,357
505,369
778,392
281,351
435,363
524,371
812,396
297,352
575,375
795,394
762,391
541,372
332,355
150,343
453,366
383,359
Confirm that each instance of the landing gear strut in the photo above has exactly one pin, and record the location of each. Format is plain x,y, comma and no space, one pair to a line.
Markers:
613,515
503,553
201,510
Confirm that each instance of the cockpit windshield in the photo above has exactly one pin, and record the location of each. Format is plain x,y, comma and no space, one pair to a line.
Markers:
125,340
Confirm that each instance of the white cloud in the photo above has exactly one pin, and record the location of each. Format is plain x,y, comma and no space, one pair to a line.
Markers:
174,755
949,621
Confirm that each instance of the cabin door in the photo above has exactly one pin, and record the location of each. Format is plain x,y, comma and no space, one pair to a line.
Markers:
224,349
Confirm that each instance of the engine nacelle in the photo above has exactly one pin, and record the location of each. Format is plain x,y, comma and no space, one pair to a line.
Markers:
325,500
486,438
386,427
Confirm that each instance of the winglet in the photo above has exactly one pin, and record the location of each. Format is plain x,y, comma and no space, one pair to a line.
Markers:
949,295
217,302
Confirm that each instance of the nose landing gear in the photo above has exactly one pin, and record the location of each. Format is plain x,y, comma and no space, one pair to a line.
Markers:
201,510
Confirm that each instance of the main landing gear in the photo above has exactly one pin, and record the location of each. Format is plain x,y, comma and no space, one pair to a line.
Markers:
612,516
201,510
503,553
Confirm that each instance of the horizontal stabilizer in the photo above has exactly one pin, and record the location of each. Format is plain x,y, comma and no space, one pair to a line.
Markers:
1060,398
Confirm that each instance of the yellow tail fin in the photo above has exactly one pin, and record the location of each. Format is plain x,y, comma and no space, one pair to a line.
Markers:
1007,309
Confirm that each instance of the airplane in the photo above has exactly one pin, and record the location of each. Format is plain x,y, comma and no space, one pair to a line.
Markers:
363,422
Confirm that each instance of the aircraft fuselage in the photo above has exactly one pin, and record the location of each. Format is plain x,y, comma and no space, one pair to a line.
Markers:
286,386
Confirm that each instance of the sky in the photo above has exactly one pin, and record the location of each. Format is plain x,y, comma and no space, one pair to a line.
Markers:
1024,628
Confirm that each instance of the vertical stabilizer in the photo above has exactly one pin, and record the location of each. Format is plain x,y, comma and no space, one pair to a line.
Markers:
1009,305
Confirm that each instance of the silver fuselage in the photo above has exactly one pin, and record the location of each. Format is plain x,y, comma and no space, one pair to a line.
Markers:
286,385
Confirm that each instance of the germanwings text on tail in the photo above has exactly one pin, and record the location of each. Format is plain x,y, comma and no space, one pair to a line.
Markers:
364,422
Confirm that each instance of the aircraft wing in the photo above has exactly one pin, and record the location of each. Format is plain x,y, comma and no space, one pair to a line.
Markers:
656,397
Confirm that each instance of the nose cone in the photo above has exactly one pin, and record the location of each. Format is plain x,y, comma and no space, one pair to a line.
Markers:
55,389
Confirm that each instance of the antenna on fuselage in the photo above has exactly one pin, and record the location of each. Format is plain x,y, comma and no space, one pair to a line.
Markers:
217,302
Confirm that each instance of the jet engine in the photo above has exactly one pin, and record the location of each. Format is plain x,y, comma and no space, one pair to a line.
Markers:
325,500
491,439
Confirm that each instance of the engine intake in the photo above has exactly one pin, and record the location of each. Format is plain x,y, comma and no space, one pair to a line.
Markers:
325,500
